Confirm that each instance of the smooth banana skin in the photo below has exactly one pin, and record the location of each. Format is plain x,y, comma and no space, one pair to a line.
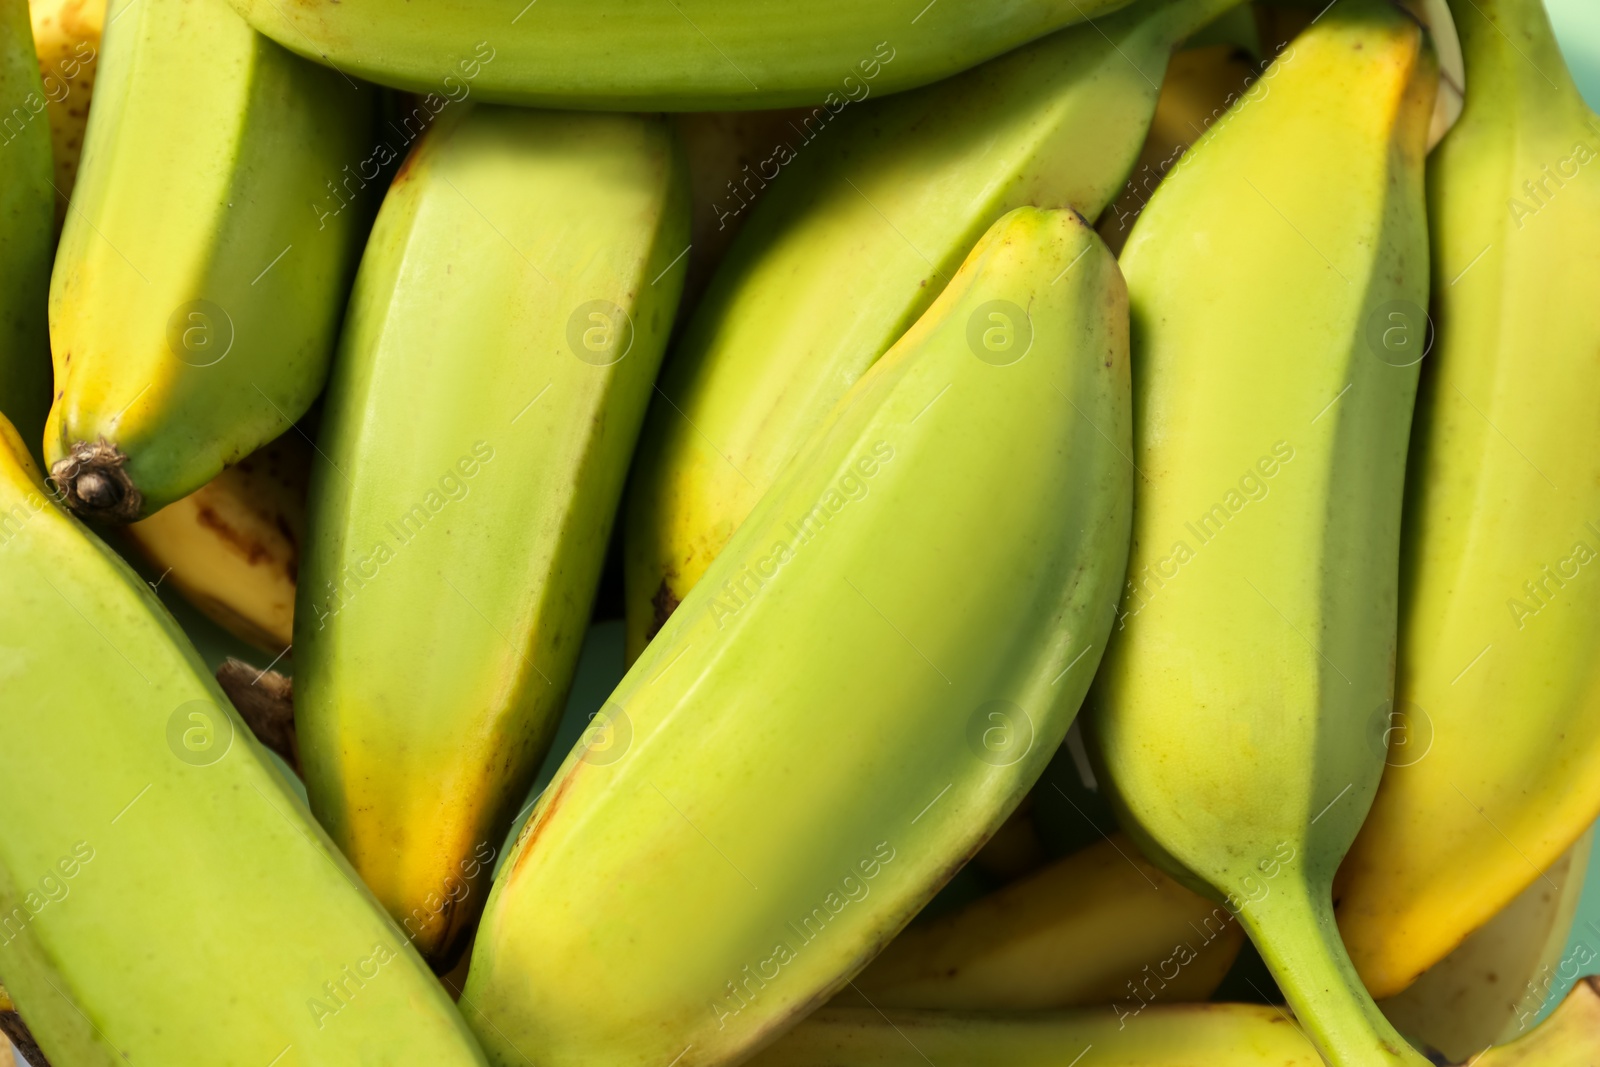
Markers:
1502,526
504,335
1101,926
167,900
66,35
26,235
855,239
204,265
1186,1035
887,638
691,55
1256,642
232,547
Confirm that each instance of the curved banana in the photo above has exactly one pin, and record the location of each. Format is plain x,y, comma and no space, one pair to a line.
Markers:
1503,522
854,240
1102,926
26,237
203,268
232,547
684,55
156,833
66,35
1273,279
670,896
1187,1035
502,340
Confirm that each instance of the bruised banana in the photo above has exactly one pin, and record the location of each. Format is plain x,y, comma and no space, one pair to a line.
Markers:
1186,1035
683,55
911,715
232,547
503,337
204,264
26,236
154,821
1099,926
66,35
1277,280
871,216
1502,531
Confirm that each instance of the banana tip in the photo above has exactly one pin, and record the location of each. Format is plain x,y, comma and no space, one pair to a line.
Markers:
95,484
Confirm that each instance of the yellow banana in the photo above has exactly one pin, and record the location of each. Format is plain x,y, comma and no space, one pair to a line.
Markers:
672,895
1273,403
1102,926
66,35
1502,524
167,900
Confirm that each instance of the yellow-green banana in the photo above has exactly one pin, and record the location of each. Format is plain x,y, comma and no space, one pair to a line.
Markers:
1101,926
1189,1035
166,899
66,35
204,264
867,681
26,228
1495,731
503,336
866,221
1277,282
681,55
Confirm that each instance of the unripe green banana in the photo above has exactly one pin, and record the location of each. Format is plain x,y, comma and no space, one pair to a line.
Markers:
503,337
166,899
1277,282
681,55
857,236
867,681
1495,762
26,242
203,268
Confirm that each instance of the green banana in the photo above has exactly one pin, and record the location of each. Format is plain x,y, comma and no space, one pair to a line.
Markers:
849,246
1277,282
506,326
682,55
1503,522
26,242
209,246
162,861
867,681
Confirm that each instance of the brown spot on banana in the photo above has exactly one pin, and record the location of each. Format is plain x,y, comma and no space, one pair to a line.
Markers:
95,485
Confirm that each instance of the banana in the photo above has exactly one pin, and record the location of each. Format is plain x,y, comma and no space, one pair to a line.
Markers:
166,900
1502,523
1491,988
694,56
506,327
887,638
1099,926
858,234
203,268
1256,641
1187,1035
66,35
26,240
232,547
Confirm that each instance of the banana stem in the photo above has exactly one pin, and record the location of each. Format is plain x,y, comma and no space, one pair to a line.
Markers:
1294,929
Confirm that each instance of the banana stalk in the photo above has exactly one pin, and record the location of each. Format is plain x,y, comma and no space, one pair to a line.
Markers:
1277,280
203,268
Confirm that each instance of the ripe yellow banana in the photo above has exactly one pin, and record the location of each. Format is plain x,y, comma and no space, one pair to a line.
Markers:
1273,279
232,547
506,327
162,863
672,895
1502,523
1101,926
867,218
1189,1035
204,264
66,35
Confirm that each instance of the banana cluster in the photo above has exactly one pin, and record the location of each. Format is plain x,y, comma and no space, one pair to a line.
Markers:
928,375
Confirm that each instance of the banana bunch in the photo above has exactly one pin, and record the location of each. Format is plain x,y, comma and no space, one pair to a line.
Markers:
867,219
